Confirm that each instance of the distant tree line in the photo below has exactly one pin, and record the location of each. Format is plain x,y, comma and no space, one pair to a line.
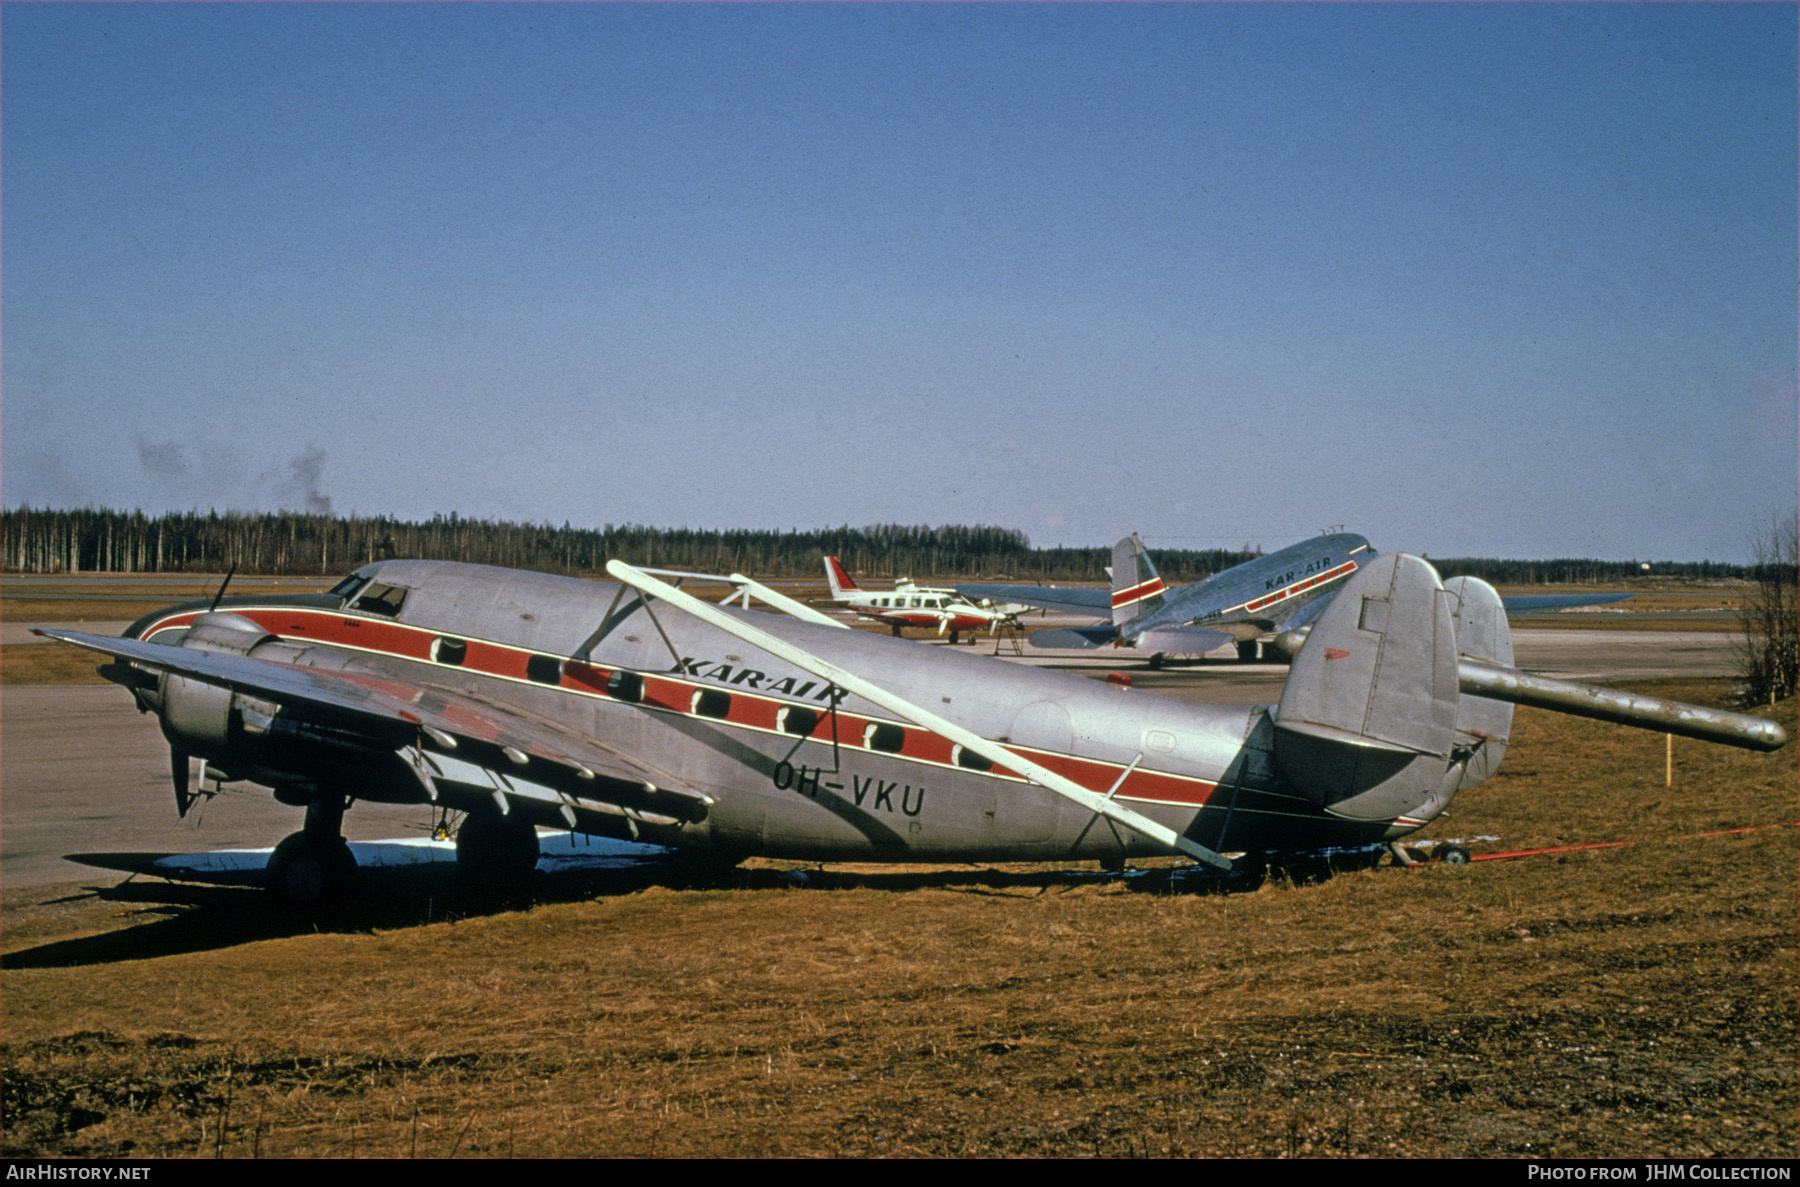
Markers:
1572,571
43,540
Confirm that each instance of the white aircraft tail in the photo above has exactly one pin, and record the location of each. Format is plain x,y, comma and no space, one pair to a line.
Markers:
839,579
1136,588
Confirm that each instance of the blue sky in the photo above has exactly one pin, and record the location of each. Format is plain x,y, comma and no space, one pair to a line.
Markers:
1466,278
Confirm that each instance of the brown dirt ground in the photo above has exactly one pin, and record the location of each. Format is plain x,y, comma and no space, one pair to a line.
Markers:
1631,1001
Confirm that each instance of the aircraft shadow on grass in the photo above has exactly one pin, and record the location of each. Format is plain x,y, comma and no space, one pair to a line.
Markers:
213,900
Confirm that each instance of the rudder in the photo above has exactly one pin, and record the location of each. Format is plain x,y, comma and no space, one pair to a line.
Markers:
1367,720
1137,590
839,580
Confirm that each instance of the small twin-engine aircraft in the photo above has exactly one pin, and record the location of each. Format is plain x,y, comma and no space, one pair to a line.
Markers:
1271,598
910,604
632,709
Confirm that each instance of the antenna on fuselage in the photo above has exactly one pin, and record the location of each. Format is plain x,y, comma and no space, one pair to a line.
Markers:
221,594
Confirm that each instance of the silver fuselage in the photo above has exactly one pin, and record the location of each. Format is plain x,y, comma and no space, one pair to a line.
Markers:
716,717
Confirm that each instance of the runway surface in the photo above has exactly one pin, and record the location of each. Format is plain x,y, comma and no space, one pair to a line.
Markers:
82,772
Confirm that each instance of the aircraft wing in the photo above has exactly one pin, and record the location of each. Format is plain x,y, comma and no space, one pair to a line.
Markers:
1068,599
1075,636
395,713
1526,603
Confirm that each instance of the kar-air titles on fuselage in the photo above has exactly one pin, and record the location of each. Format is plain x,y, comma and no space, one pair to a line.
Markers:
1293,575
749,678
863,791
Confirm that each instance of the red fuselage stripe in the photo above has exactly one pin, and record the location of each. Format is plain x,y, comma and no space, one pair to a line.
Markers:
676,695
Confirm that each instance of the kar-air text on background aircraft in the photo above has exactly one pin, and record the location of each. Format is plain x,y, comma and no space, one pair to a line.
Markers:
631,709
1270,597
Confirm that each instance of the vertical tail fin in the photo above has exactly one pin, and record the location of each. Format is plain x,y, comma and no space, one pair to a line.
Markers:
1367,721
1136,589
840,580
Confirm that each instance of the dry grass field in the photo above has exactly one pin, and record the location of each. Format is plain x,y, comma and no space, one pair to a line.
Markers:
1636,1000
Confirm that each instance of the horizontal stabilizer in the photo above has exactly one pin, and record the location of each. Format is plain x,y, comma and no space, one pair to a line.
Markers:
1498,683
1182,640
1075,636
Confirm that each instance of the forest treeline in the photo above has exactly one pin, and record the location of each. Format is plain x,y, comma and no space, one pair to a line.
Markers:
102,541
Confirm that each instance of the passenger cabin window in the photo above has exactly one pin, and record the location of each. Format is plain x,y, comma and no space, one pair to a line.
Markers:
545,669
710,702
968,760
885,737
626,686
446,650
384,600
797,720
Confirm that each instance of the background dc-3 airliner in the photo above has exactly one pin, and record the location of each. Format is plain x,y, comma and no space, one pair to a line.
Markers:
1272,598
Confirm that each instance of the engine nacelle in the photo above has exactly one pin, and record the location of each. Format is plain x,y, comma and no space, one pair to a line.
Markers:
204,719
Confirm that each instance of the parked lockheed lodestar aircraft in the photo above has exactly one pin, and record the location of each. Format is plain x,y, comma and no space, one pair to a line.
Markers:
630,708
911,604
1262,599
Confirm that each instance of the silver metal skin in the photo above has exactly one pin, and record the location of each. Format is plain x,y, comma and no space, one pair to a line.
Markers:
624,709
1606,704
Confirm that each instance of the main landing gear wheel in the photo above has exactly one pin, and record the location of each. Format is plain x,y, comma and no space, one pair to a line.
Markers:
1452,855
496,854
309,873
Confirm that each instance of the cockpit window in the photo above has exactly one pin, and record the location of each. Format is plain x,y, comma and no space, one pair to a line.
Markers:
346,589
380,599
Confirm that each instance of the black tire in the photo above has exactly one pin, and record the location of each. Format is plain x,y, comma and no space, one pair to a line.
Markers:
308,874
1453,855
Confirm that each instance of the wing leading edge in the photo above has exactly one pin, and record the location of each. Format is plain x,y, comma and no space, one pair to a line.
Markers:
1066,599
395,714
